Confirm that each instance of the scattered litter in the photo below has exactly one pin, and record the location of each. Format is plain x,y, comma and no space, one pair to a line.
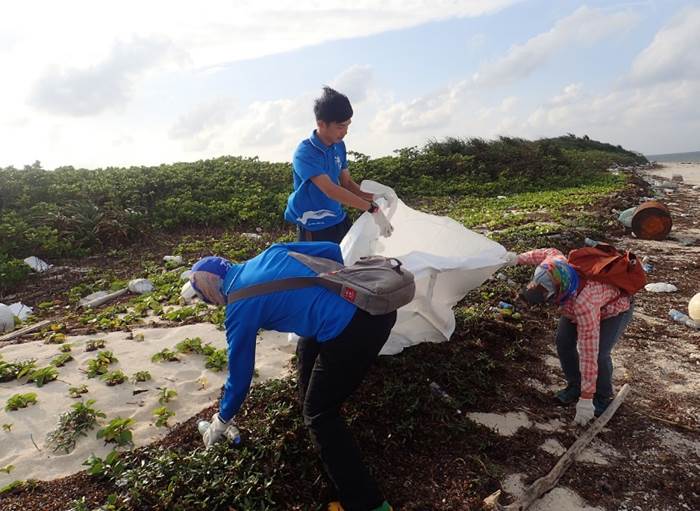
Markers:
187,292
173,259
92,296
100,297
661,287
7,319
505,305
185,275
37,264
678,178
140,286
625,218
694,307
501,197
252,235
684,319
505,425
652,221
648,267
20,310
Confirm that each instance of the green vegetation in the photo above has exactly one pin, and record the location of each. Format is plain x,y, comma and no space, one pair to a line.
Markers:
118,431
43,376
217,360
110,466
16,370
162,414
60,360
94,345
165,395
7,427
76,392
72,425
65,348
141,376
100,364
165,355
18,401
112,378
73,212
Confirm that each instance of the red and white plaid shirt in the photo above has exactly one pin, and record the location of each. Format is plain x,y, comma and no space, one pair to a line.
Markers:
596,301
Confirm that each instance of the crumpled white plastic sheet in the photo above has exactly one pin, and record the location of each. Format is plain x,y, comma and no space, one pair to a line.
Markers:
447,259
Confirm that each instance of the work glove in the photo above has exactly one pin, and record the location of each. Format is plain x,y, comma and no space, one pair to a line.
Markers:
385,228
584,411
388,195
215,431
511,258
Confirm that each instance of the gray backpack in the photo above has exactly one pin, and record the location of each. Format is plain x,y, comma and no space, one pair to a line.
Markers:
375,284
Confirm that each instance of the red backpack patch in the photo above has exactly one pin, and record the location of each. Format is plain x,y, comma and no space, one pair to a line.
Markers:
604,263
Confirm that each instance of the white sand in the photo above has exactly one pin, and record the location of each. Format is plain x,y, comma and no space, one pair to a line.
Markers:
505,425
690,172
559,499
196,386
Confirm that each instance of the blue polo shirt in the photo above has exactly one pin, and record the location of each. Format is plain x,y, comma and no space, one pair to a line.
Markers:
307,205
308,312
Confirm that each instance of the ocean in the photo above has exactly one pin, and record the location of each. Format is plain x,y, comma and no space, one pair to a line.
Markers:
693,157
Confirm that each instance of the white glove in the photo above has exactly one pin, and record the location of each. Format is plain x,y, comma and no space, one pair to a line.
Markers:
385,228
511,258
389,196
584,411
214,432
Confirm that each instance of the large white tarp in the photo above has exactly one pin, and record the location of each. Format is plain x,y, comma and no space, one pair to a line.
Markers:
447,259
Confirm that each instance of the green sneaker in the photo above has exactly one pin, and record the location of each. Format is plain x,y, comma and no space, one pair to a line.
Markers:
568,396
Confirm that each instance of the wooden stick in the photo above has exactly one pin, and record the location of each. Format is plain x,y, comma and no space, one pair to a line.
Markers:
25,330
546,483
106,298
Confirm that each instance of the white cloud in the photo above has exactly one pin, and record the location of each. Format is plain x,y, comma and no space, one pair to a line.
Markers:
674,54
355,83
427,112
198,127
583,27
104,86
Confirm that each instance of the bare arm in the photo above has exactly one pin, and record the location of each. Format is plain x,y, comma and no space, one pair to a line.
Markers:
341,194
347,182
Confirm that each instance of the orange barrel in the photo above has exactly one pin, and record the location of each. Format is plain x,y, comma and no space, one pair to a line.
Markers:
652,221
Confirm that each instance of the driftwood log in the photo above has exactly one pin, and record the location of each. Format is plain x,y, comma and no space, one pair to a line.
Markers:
25,330
546,483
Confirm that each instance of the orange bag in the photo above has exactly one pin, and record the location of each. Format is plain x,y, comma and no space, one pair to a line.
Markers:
604,263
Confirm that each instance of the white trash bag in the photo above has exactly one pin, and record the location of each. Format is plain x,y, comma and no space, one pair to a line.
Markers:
140,286
7,319
37,264
447,259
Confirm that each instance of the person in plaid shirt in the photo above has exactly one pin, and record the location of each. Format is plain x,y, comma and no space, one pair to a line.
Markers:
594,316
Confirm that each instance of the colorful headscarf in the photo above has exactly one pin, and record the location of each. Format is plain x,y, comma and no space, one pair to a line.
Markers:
207,279
558,278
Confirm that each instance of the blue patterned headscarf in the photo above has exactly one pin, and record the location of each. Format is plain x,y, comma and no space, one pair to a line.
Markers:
558,278
207,279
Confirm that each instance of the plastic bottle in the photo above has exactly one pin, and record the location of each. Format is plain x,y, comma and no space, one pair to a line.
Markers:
678,316
505,305
590,242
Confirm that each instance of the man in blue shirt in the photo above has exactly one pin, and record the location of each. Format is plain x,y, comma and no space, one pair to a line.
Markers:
322,182
348,341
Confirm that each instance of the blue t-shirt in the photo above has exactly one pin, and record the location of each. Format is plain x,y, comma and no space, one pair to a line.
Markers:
307,205
308,312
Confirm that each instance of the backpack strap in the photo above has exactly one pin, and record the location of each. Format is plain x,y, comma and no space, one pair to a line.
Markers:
282,285
318,264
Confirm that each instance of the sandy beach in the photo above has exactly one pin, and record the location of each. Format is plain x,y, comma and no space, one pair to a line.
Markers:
689,171
197,387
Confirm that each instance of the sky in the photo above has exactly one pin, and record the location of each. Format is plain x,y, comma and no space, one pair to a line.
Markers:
97,84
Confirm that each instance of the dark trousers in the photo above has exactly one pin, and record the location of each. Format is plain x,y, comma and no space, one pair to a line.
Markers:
335,233
329,372
610,331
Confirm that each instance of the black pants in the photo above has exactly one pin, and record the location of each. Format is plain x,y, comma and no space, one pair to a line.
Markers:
329,372
335,233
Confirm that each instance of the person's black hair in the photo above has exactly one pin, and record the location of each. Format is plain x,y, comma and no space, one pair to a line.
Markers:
332,106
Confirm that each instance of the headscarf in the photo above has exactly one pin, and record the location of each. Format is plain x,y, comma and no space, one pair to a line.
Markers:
558,278
207,279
